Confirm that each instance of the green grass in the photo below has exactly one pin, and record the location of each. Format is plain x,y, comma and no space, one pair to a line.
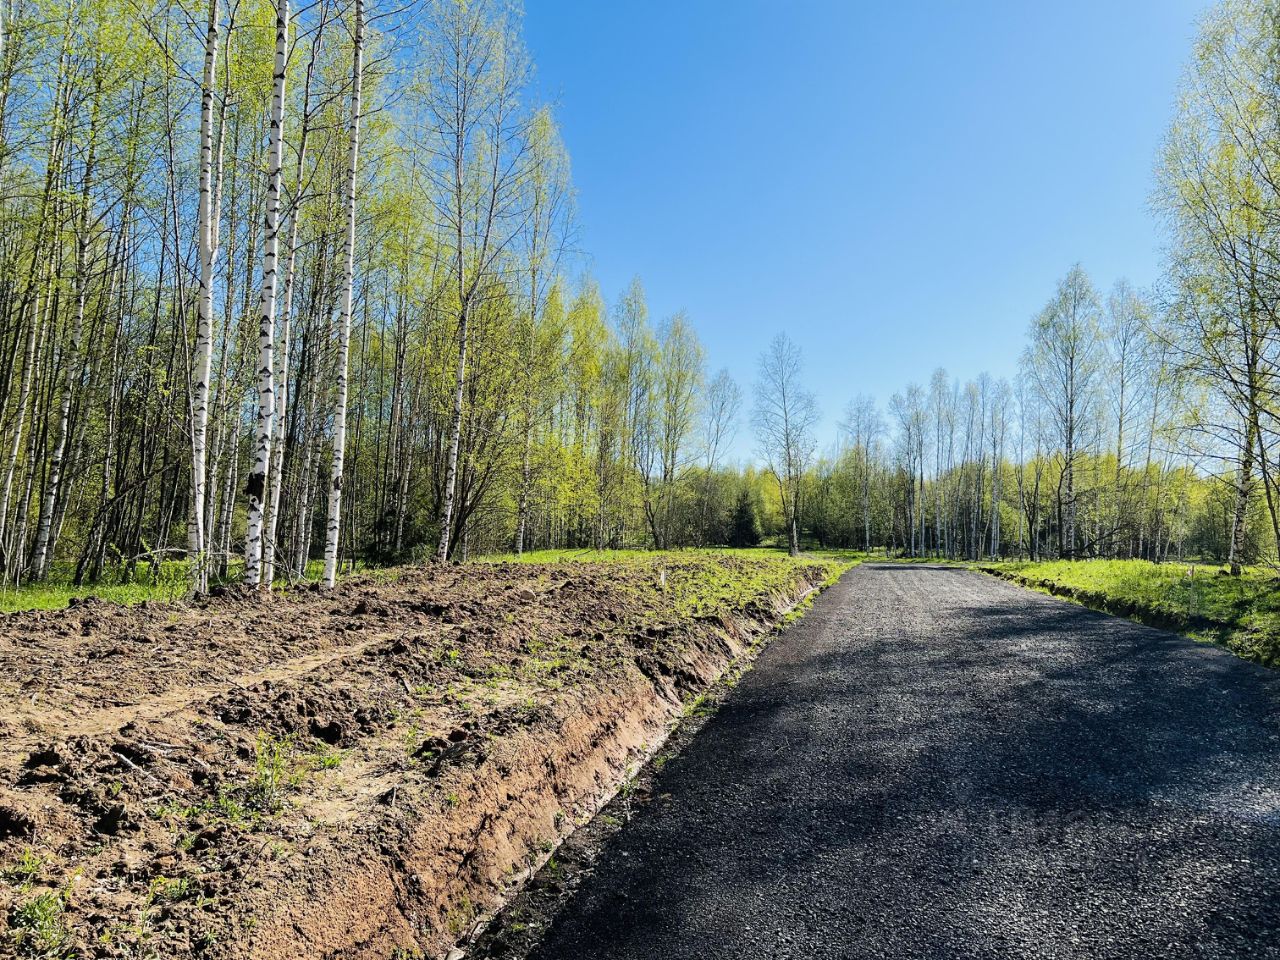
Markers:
38,927
1243,613
56,593
710,589
25,869
167,582
164,583
280,767
696,584
589,555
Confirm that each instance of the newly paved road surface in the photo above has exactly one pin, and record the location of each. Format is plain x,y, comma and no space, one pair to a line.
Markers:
934,763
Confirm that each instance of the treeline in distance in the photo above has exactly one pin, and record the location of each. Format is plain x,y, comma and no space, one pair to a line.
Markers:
281,286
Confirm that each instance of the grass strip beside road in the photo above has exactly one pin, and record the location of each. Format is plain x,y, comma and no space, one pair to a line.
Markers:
1200,600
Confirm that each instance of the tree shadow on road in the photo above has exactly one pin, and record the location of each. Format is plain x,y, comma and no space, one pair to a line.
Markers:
979,784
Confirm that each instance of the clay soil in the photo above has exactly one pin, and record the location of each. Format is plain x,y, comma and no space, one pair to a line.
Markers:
368,773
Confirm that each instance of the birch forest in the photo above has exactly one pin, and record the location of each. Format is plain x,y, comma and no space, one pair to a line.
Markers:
292,285
285,289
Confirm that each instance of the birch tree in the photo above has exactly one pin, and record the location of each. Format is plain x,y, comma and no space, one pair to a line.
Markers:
203,358
275,472
720,413
333,524
257,485
542,243
1219,188
785,416
475,73
1064,358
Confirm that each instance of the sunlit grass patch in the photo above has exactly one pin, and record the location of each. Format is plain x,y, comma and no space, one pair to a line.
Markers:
1200,599
591,555
707,582
167,581
162,582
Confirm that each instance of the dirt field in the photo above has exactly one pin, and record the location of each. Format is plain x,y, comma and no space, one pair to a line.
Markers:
362,774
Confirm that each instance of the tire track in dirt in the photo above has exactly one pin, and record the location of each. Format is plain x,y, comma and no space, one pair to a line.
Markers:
169,705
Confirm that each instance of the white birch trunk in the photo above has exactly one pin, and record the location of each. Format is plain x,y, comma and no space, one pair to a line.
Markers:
257,485
197,548
209,484
276,474
303,521
333,524
455,441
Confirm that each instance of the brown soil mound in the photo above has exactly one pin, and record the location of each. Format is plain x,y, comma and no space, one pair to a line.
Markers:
361,774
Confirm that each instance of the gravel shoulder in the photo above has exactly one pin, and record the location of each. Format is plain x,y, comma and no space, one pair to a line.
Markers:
934,763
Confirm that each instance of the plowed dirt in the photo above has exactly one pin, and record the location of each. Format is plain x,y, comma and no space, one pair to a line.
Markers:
365,773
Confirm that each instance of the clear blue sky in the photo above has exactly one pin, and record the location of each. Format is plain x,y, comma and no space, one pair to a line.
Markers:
898,186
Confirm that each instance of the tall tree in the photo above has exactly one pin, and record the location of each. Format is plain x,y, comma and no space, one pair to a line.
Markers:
1064,360
1219,187
257,486
476,73
542,243
333,524
197,544
785,416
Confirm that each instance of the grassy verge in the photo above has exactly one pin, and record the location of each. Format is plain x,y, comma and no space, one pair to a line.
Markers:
164,582
1202,601
56,594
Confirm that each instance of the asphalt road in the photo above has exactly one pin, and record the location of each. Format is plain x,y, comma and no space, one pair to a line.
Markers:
935,763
